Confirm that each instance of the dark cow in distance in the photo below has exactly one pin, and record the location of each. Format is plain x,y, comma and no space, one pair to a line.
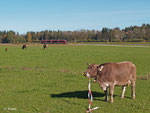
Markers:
108,75
45,46
6,49
24,46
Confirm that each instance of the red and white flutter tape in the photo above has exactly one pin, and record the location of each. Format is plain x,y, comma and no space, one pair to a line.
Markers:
90,98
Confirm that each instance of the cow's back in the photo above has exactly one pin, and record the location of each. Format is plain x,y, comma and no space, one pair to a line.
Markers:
118,73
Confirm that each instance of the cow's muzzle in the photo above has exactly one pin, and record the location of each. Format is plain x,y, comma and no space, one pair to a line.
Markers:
84,73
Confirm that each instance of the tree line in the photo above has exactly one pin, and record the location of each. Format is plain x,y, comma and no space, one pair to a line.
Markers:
128,34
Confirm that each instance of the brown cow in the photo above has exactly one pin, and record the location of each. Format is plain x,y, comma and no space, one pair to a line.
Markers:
6,49
110,74
45,46
24,46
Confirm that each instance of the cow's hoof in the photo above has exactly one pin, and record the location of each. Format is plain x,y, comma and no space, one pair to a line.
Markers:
122,97
106,99
133,98
111,102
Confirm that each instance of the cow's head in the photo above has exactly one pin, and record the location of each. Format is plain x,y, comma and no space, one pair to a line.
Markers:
91,70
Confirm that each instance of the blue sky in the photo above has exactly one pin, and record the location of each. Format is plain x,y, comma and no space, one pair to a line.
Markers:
37,15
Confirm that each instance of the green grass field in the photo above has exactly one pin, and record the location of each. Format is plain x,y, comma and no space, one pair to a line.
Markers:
49,81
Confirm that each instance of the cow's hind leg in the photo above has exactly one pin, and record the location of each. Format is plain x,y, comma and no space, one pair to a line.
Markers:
123,91
111,93
133,90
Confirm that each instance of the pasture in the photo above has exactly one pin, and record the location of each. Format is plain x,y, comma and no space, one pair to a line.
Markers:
35,80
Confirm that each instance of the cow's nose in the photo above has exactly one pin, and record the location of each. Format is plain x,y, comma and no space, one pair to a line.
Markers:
84,74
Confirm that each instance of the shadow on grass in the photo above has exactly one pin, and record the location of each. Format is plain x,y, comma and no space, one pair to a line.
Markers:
128,97
83,95
77,94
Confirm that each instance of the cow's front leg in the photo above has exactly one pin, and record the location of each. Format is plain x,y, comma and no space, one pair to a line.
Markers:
106,94
123,91
111,93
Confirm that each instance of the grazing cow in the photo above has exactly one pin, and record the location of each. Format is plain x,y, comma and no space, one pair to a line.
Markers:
24,46
6,49
45,46
110,74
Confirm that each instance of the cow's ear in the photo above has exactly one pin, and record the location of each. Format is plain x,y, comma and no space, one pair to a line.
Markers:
88,64
100,68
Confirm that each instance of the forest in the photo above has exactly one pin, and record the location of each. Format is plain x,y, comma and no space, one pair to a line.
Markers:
128,34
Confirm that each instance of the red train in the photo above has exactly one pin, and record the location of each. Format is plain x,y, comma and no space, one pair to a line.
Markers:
53,42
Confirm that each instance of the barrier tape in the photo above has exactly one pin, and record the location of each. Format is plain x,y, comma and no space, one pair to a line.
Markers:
90,98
